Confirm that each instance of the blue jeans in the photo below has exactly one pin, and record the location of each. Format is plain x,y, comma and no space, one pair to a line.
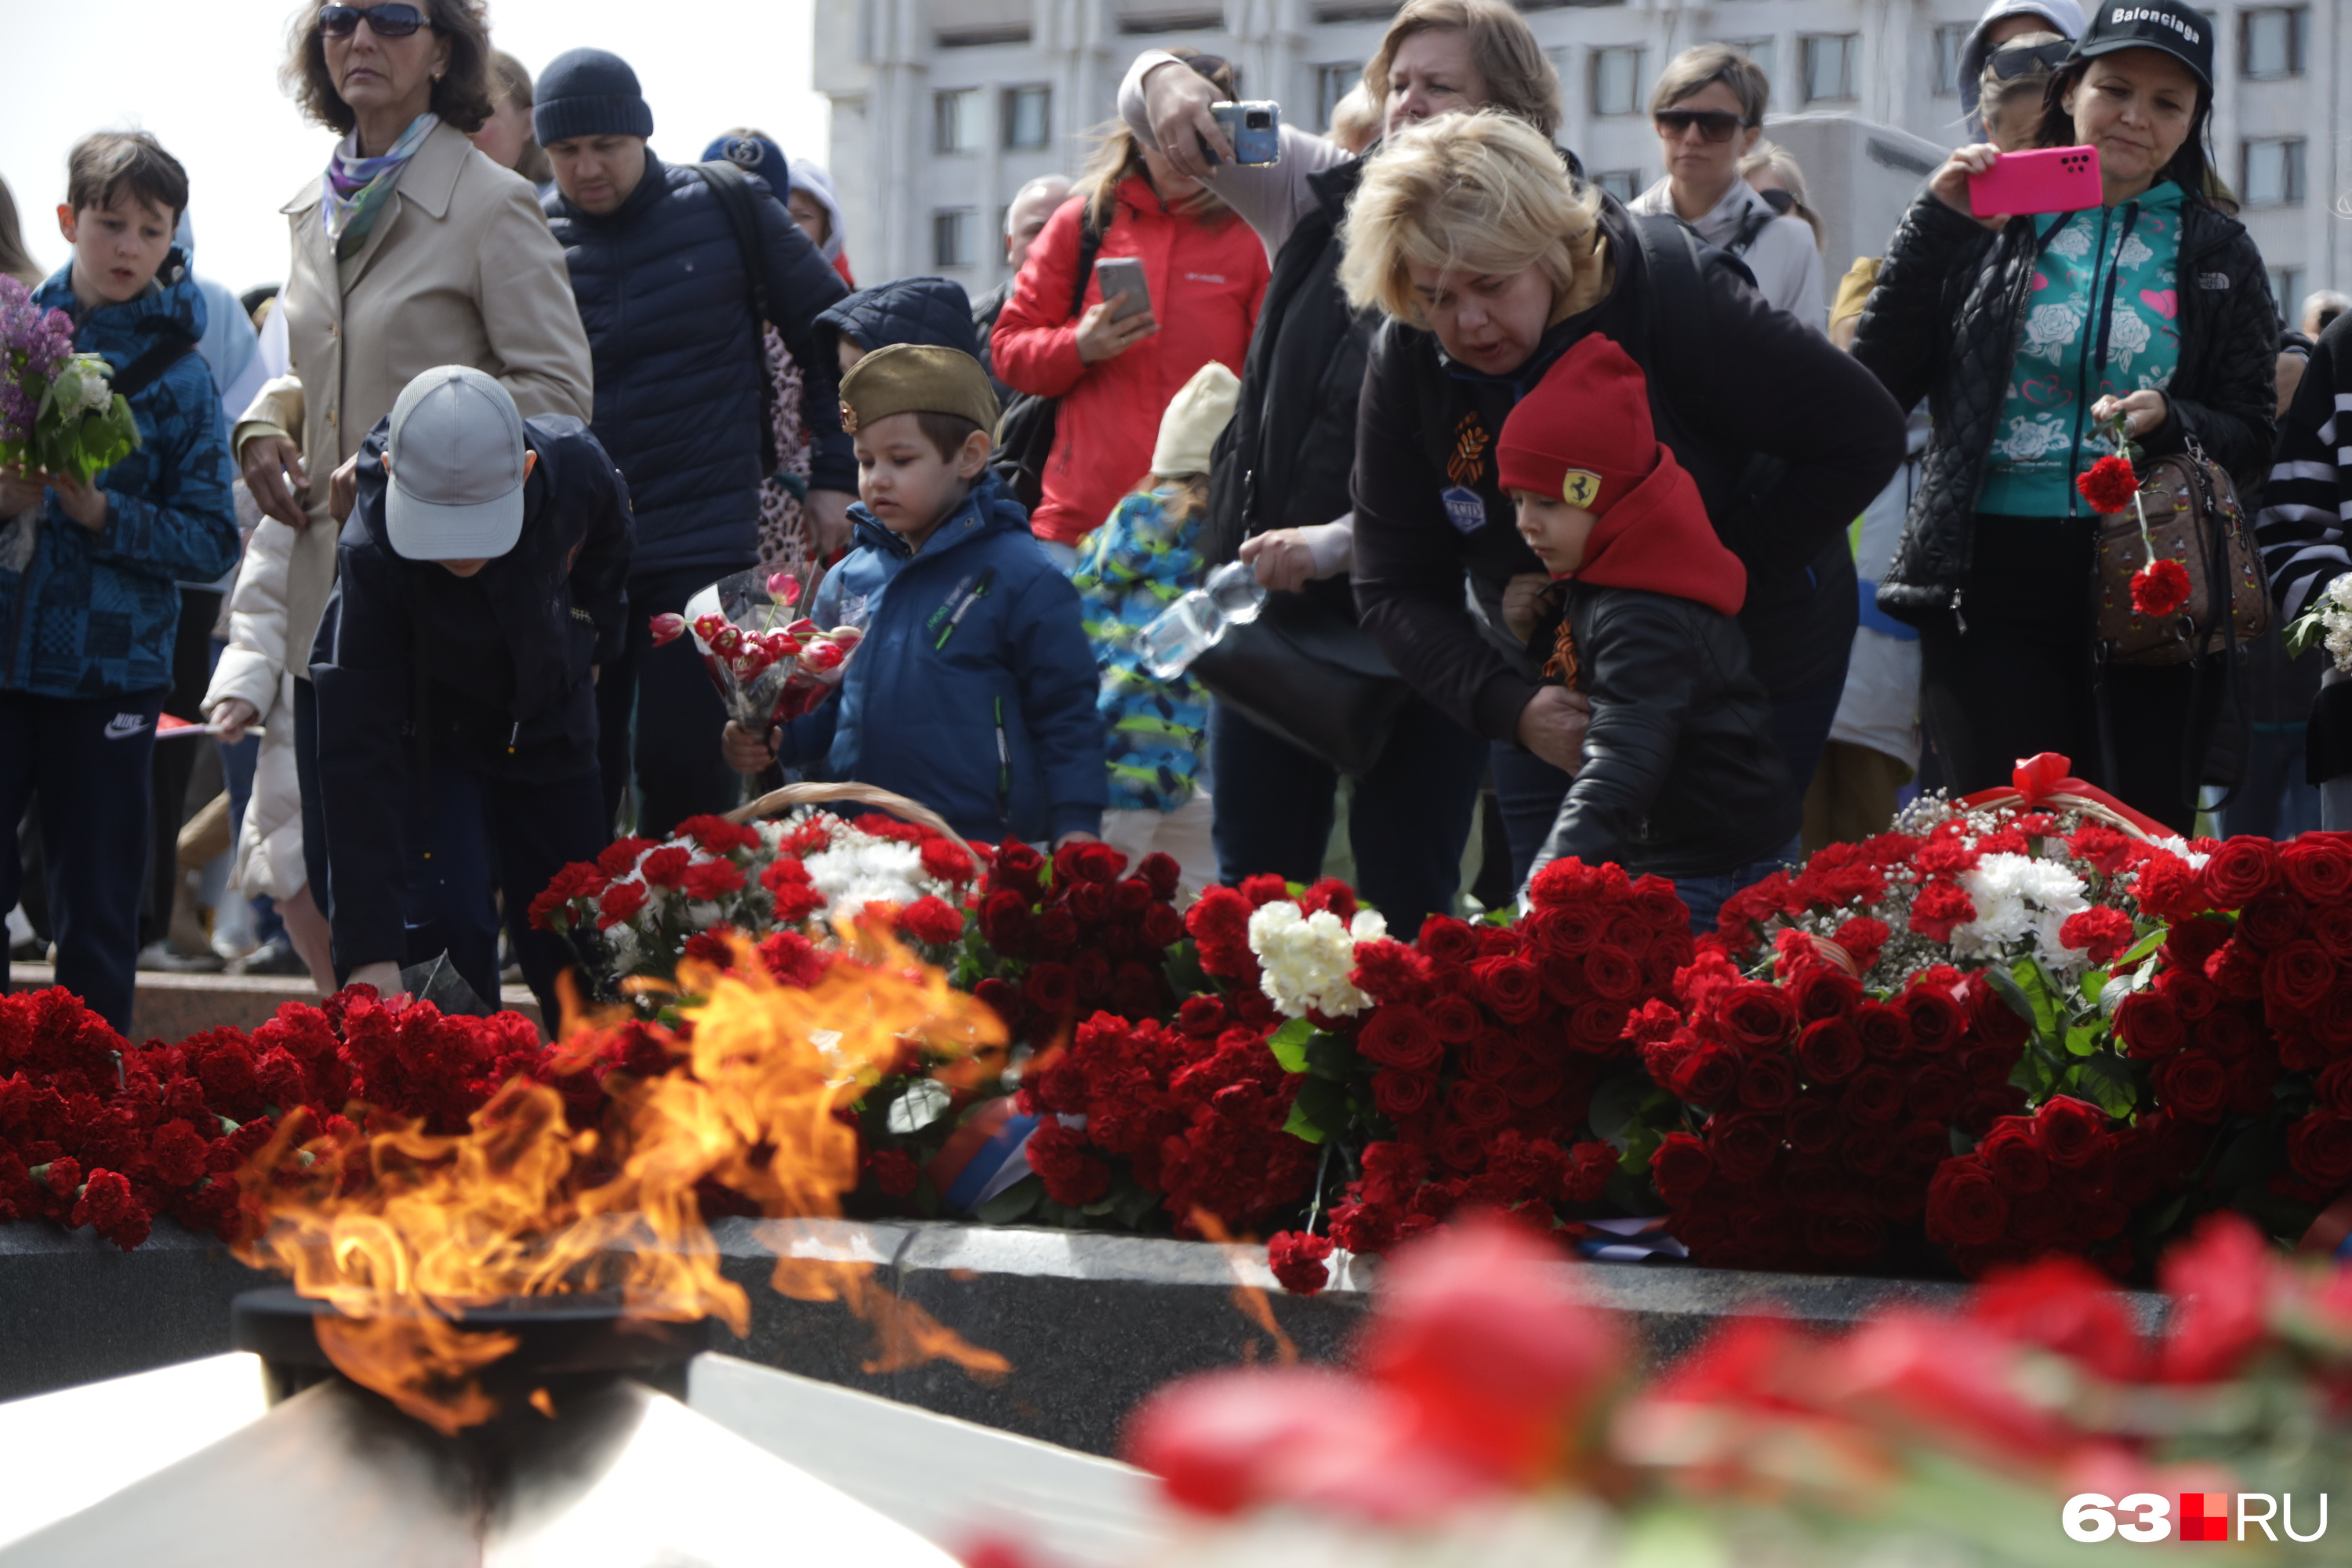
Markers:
1705,896
90,760
1407,825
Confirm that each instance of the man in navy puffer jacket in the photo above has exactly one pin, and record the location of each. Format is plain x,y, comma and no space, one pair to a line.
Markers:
658,273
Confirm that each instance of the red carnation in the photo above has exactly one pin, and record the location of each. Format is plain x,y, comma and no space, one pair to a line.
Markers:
2167,888
718,834
618,903
1862,937
665,867
946,861
894,1172
1072,1176
1297,1258
2104,933
107,1206
2108,485
931,921
620,857
2159,588
1939,907
711,880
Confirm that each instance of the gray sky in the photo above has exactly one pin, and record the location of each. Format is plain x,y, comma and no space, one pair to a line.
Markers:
203,79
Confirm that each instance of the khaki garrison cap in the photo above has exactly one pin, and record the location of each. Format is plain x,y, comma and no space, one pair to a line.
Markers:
917,378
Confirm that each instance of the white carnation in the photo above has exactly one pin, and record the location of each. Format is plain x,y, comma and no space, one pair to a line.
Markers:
2018,897
1305,959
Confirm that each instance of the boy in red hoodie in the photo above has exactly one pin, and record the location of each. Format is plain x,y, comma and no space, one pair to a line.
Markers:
1680,776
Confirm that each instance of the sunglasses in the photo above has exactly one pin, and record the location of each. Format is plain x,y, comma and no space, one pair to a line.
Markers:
395,20
1714,125
2013,60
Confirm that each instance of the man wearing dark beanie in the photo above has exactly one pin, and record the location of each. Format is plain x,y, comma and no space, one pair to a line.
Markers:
663,265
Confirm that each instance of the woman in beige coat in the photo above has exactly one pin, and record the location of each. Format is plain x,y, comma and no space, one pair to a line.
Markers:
412,251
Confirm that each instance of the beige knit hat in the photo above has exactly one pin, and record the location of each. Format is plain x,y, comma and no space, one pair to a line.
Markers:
1195,418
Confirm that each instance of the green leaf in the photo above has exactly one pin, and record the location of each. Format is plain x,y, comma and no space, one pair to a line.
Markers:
2144,946
1012,1204
1619,1102
1332,1056
1640,1143
1300,1128
2106,1083
1324,1104
2006,987
1131,1203
1289,1044
1101,1207
2084,1038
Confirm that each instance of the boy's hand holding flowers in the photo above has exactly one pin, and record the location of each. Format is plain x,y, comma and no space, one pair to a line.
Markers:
20,491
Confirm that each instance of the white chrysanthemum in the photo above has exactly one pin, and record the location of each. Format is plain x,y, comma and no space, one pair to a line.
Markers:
1305,959
856,871
2018,897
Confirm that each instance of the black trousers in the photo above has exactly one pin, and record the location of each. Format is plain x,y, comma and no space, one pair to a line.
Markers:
87,759
2013,673
658,717
192,669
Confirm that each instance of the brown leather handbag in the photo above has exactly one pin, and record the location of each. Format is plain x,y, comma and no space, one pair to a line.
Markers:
2194,517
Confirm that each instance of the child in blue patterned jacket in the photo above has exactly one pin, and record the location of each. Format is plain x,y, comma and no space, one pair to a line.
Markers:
1142,560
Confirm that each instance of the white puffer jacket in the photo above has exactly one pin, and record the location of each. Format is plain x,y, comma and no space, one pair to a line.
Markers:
253,667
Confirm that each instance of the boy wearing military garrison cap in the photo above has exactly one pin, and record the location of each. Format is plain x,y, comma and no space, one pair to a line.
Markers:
973,691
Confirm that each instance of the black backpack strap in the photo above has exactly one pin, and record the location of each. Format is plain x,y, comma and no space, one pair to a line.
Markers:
1751,223
1090,242
148,368
733,193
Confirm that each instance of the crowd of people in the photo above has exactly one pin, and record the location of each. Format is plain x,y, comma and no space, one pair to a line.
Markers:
1553,498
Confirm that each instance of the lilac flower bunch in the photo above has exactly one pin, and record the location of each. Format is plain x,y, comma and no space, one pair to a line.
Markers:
57,411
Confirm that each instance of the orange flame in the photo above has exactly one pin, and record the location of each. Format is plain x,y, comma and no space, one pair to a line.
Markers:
401,1232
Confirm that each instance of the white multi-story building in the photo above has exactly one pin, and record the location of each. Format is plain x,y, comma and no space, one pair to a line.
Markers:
942,108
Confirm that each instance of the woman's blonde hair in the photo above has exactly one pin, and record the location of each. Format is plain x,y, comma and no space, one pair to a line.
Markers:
1192,495
1118,156
1518,77
1480,193
1791,177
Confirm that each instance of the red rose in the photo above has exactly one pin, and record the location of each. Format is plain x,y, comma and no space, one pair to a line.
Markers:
1398,1035
1511,987
1884,1033
894,1172
1936,1093
1163,872
1397,1094
2192,995
1531,1084
2013,1155
1598,1028
1811,1124
2240,872
1003,920
1613,972
2320,1147
1297,1259
2148,1026
2297,978
1449,941
2071,1131
1830,1051
1708,1076
1492,1055
1743,1145
1056,928
1681,1167
2159,588
1934,1019
1454,1017
2105,934
2333,1086
1820,992
1051,988
1965,1206
1768,1083
1873,1095
1163,926
1477,1103
2192,1086
2332,925
1462,1146
1757,1017
2318,868
930,920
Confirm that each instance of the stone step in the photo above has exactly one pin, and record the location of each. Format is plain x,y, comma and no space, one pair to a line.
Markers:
169,1006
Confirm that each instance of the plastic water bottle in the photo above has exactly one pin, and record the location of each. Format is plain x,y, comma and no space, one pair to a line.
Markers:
1189,627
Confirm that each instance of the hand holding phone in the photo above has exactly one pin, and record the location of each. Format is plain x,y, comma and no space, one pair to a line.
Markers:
1255,128
1124,274
2044,180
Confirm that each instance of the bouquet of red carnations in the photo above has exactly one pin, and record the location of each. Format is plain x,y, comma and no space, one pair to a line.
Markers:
766,674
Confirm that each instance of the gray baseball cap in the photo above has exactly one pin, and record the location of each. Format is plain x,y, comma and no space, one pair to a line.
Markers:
456,455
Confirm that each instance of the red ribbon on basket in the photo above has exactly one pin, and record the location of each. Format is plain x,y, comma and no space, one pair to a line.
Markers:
2042,781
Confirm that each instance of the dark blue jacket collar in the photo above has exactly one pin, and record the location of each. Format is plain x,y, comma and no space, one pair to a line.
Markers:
986,513
171,304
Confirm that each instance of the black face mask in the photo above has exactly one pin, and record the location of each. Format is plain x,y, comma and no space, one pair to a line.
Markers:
1780,201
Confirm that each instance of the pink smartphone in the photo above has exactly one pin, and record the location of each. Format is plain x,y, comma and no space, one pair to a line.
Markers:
2046,179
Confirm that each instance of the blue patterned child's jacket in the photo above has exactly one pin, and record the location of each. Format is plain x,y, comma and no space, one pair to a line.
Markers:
1139,562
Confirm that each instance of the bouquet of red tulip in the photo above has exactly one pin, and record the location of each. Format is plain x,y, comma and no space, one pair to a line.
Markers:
766,673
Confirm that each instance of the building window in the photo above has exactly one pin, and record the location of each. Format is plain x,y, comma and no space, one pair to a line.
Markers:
1617,81
1830,60
1333,83
2286,289
2270,42
1028,118
1622,184
2270,175
1758,50
955,122
955,237
1949,40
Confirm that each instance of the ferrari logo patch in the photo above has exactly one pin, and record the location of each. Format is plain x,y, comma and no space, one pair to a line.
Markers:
1579,490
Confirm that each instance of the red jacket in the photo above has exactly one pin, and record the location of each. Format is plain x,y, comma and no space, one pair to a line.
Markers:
1206,281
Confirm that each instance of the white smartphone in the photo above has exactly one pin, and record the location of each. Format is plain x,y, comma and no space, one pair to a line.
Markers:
1124,274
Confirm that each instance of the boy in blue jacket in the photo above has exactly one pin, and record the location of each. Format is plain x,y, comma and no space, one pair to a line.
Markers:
88,602
973,691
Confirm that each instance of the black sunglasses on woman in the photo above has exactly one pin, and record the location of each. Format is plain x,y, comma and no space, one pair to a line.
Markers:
394,20
1714,125
2013,60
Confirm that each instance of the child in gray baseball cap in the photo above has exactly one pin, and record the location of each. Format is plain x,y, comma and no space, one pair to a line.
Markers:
482,584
